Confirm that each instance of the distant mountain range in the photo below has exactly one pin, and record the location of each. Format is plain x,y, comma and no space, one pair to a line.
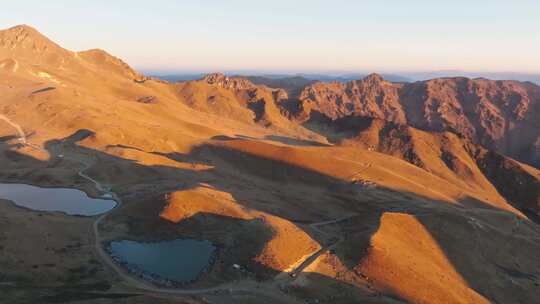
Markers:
307,77
392,77
535,78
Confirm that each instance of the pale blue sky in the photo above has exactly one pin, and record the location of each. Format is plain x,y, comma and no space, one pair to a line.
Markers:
295,35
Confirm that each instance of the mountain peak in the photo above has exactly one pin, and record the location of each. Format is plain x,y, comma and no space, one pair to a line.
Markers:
374,77
215,78
224,81
22,27
24,38
26,46
22,32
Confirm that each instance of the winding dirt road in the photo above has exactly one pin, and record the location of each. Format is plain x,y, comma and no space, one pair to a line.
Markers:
20,132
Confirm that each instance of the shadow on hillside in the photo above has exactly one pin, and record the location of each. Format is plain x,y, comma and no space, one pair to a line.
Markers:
295,141
276,138
519,187
7,138
284,190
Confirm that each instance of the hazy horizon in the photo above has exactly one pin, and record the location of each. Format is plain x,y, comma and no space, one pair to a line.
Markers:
400,76
254,72
301,37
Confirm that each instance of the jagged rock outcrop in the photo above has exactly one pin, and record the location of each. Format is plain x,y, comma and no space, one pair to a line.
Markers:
500,115
371,97
233,83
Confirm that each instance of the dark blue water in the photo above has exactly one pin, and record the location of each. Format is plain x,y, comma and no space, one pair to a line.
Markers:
69,201
180,261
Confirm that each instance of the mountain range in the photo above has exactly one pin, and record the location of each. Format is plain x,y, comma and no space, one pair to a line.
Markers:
312,190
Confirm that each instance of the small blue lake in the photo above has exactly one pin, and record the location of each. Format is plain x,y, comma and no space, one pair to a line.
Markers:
69,201
180,261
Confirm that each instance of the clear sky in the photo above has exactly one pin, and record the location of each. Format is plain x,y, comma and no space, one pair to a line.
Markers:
295,35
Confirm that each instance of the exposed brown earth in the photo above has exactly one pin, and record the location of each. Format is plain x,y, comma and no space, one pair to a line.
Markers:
368,191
